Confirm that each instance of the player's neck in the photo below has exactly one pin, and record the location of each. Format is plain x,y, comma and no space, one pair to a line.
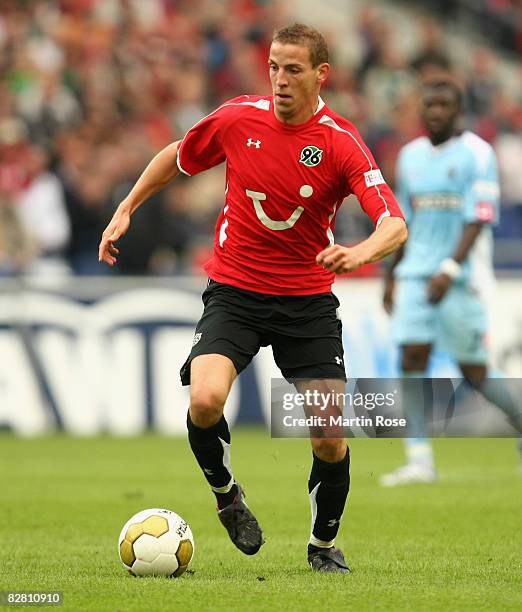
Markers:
301,116
439,139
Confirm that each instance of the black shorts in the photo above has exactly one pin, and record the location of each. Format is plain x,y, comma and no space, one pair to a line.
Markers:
304,331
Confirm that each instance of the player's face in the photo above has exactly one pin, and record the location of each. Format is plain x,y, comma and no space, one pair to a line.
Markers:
295,83
440,110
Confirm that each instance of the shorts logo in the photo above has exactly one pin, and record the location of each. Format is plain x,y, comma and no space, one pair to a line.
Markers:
311,156
197,338
373,177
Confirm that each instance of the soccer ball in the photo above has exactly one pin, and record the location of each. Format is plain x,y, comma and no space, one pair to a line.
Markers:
156,542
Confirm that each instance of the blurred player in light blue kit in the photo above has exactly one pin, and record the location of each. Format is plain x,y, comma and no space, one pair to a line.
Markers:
447,186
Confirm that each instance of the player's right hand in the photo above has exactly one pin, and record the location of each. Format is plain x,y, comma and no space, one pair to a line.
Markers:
387,298
117,227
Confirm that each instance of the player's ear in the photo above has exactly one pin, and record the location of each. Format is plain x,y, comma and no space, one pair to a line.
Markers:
322,72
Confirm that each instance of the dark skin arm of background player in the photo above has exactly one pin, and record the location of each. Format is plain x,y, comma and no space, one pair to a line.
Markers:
439,284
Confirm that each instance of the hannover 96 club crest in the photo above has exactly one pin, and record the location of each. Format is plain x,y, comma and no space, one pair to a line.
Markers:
311,156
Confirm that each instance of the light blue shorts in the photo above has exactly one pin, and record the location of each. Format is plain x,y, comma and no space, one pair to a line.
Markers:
456,325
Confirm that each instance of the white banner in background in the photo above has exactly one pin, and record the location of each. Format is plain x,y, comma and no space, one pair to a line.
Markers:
112,365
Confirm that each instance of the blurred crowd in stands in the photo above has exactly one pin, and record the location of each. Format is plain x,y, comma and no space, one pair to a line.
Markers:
500,21
91,89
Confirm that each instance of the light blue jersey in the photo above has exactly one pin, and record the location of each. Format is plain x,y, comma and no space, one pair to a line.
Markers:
441,189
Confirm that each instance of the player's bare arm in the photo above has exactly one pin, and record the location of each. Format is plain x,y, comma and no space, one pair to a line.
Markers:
389,281
390,235
161,170
439,284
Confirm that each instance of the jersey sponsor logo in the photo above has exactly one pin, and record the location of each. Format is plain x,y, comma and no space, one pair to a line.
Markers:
257,197
311,156
373,177
255,143
436,201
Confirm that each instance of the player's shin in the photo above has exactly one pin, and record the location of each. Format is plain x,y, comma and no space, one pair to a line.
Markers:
498,392
211,447
414,402
328,488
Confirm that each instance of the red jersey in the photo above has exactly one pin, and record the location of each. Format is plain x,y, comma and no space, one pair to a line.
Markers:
284,186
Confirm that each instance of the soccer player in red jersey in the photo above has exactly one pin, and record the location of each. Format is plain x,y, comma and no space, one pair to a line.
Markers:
291,162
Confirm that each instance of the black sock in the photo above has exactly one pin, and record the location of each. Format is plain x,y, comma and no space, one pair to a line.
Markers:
211,447
328,487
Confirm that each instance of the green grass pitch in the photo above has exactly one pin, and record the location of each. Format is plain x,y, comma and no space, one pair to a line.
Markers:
455,545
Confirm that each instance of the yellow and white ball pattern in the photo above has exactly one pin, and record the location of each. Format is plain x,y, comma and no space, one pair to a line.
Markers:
156,542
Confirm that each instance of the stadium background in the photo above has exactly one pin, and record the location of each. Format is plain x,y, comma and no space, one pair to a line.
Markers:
90,90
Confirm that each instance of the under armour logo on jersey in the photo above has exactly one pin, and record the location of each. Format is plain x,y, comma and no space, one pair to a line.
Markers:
256,143
333,522
338,360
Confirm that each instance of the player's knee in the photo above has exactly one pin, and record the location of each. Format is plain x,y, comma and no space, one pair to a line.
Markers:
475,381
415,358
206,407
475,375
329,449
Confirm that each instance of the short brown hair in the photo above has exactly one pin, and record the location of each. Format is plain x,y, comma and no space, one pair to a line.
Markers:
300,34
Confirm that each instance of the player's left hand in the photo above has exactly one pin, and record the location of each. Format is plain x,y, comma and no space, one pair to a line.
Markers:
438,286
340,259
